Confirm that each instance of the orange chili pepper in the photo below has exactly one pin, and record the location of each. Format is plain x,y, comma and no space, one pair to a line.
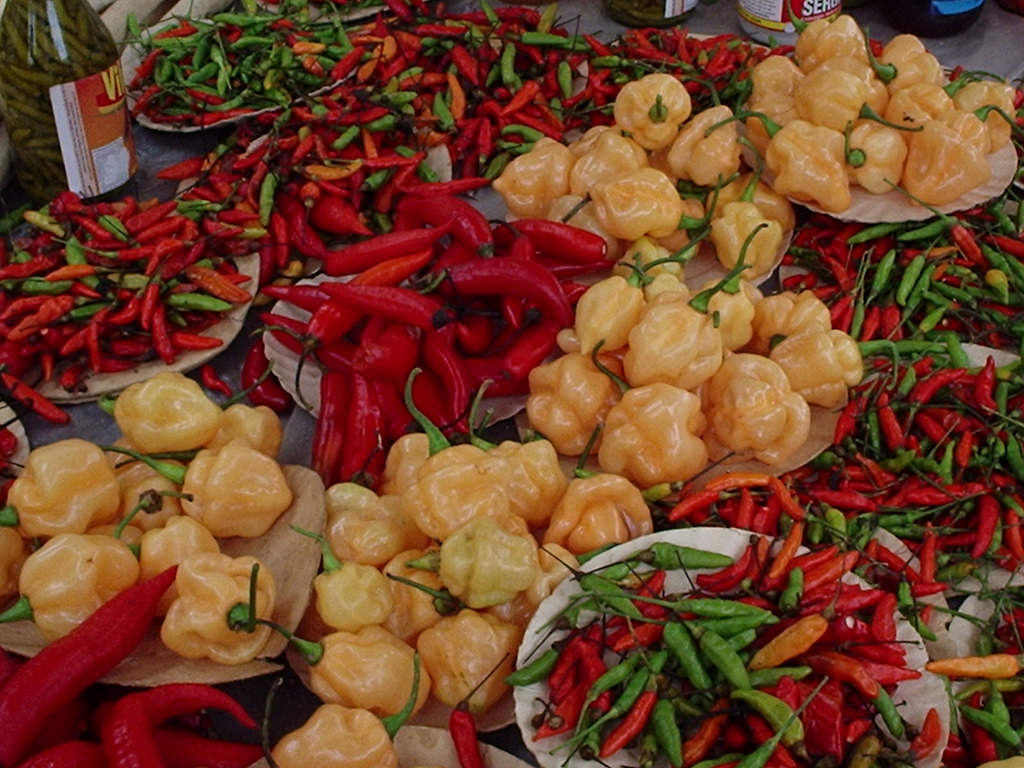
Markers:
458,105
786,552
731,480
995,666
697,746
71,272
790,642
393,271
216,284
691,503
789,504
308,46
319,172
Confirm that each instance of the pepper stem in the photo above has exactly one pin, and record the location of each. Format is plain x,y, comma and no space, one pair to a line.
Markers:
867,113
770,126
8,516
982,114
431,561
435,437
474,438
444,601
173,472
331,563
581,470
106,404
855,156
886,72
620,382
20,611
265,724
798,24
240,617
658,113
393,722
149,501
731,282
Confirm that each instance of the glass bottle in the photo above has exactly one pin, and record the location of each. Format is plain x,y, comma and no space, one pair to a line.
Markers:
649,13
63,99
934,18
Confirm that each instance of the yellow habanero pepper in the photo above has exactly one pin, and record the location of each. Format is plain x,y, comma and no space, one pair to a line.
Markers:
530,183
946,159
651,109
735,313
404,460
823,39
489,560
982,93
706,158
209,585
640,254
160,548
885,151
337,737
652,435
586,142
235,490
13,551
877,95
809,164
350,596
584,217
556,563
753,411
412,609
258,427
611,155
136,478
370,669
772,204
532,477
460,652
730,230
72,575
774,81
638,203
568,398
912,61
787,314
673,343
830,97
820,366
598,510
168,412
66,487
365,528
607,312
917,104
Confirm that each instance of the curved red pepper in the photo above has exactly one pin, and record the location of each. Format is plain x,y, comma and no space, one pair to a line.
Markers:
401,304
329,432
70,754
459,217
563,242
354,258
184,749
502,277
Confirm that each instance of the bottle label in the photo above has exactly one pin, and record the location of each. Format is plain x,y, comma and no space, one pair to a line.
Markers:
678,7
774,14
953,7
96,145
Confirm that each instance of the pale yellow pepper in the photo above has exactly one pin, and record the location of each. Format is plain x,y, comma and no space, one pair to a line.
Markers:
532,477
820,366
370,669
209,585
607,312
652,108
404,460
412,609
787,314
235,490
731,228
673,343
352,596
160,548
588,140
337,737
530,183
917,104
638,203
772,204
584,217
652,435
258,427
734,313
641,254
489,560
66,487
877,95
702,157
168,412
129,535
467,650
885,152
568,399
946,159
13,551
556,563
823,39
809,164
365,528
676,241
774,80
983,93
136,478
753,411
830,97
665,283
912,61
598,510
611,155
72,575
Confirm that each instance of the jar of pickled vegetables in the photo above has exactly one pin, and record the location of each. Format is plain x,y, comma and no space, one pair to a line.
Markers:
63,98
649,13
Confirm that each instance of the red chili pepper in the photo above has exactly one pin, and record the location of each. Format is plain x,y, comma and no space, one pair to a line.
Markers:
462,729
729,577
925,389
560,241
212,381
503,277
363,428
262,388
300,235
366,253
186,169
386,351
984,385
70,754
1012,245
632,724
400,304
31,399
329,432
820,718
844,668
927,739
829,573
307,297
333,214
987,516
566,712
968,246
184,749
462,220
67,666
849,500
983,745
892,432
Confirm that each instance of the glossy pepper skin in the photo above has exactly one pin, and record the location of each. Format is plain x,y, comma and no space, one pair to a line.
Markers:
369,669
809,164
885,152
830,97
412,609
774,80
753,411
652,435
706,158
352,597
489,560
365,528
13,551
730,229
652,108
772,204
876,94
556,563
134,479
946,158
641,253
598,510
583,217
821,366
160,548
167,412
66,487
257,426
568,398
459,651
823,39
607,312
610,154
235,490
532,477
532,181
638,203
982,93
917,104
209,585
787,314
337,737
407,455
735,312
72,575
912,61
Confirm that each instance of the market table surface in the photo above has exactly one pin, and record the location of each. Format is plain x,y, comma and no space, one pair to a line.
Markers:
992,44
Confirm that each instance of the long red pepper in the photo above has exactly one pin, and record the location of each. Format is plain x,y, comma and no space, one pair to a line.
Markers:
502,277
67,666
355,258
70,754
184,749
462,729
632,724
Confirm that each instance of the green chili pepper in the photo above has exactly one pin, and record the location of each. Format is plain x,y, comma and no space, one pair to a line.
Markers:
507,64
924,282
8,516
994,725
564,78
609,593
775,711
268,188
173,472
764,678
201,302
38,286
664,555
680,643
890,716
929,230
716,608
535,671
1014,456
909,279
717,651
346,137
524,131
741,640
875,231
790,597
385,123
85,311
666,731
733,625
874,431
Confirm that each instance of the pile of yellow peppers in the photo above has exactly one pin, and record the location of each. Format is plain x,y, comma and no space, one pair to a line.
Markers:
847,118
619,181
75,498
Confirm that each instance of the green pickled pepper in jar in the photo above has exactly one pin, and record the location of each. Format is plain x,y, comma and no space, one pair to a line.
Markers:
649,13
62,96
